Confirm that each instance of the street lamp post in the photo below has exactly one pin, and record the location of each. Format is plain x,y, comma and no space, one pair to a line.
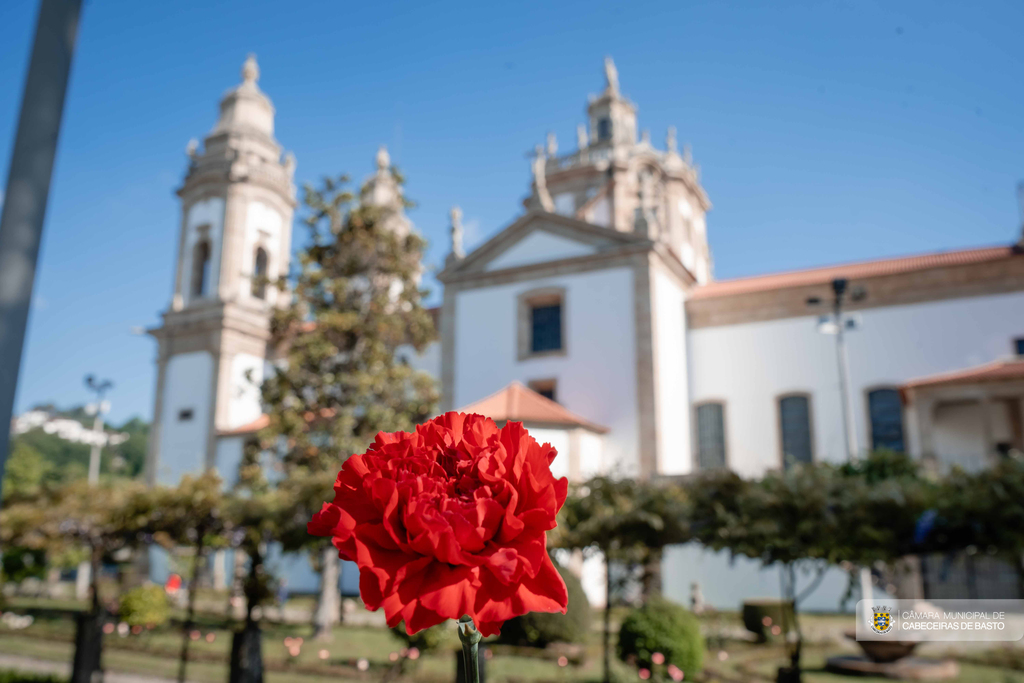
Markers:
838,325
100,388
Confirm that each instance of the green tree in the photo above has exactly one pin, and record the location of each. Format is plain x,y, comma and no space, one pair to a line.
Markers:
356,305
630,522
26,472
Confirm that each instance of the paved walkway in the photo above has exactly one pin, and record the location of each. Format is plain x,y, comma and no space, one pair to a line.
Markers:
43,666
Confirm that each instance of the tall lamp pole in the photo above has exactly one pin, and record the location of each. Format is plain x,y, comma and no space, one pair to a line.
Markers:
839,325
28,188
100,388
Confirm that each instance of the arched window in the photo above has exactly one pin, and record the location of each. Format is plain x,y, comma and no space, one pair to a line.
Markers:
201,268
795,426
259,274
710,436
886,412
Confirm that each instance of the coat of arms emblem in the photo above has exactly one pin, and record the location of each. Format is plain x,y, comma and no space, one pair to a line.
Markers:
881,620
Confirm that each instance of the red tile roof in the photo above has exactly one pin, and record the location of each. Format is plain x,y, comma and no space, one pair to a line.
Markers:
857,270
1000,370
254,426
522,404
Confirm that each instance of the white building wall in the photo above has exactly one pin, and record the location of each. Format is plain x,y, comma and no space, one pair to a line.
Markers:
749,365
596,378
591,454
672,403
189,385
539,247
263,227
559,439
208,212
246,399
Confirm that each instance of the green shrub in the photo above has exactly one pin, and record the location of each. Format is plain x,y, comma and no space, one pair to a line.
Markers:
433,638
22,677
775,612
145,606
662,626
538,629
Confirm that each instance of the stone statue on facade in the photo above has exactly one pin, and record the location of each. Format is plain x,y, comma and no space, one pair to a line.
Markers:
581,136
611,75
540,184
670,140
457,233
552,145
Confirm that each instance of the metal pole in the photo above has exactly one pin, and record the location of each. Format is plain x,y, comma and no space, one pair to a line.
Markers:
94,454
28,188
849,431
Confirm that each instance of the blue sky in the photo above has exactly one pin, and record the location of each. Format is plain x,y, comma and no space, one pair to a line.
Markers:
826,131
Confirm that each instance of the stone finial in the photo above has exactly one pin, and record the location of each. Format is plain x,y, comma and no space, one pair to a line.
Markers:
289,164
192,149
457,233
611,75
540,183
1020,202
670,140
688,154
645,137
250,70
552,145
383,158
581,136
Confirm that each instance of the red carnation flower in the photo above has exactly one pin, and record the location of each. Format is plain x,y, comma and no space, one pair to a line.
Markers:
450,520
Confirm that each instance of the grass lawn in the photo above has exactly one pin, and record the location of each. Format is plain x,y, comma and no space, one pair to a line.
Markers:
155,653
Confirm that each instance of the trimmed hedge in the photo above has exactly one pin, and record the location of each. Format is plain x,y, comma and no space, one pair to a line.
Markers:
539,629
665,627
22,677
755,613
145,606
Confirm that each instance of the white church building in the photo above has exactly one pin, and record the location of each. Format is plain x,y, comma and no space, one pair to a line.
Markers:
594,317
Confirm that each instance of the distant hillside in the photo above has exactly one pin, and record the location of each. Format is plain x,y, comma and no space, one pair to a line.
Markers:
40,458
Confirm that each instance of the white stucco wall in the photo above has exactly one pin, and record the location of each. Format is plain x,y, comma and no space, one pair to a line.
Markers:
208,212
596,378
188,385
671,383
591,454
429,361
749,365
246,377
559,439
958,433
538,247
263,227
228,458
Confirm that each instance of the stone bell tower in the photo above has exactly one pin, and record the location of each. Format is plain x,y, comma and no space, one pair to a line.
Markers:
234,241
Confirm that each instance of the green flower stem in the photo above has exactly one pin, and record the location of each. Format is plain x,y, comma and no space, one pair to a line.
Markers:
470,638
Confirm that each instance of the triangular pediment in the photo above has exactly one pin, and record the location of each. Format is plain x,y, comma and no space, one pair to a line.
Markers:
541,237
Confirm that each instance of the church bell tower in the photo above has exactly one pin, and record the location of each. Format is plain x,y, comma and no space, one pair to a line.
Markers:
234,242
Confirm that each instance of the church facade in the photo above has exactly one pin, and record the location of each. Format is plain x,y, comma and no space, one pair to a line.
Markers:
595,318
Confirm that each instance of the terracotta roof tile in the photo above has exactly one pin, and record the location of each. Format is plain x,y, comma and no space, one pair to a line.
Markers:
1000,370
857,270
522,404
254,426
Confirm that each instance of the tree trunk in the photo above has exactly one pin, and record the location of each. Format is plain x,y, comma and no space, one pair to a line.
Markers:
328,607
190,614
652,584
246,665
87,667
607,635
236,596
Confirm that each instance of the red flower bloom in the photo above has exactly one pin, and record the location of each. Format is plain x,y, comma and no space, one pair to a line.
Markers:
450,520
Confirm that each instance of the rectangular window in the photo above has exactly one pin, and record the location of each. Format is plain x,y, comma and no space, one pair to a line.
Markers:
886,413
184,415
1018,346
795,423
544,387
710,436
546,328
